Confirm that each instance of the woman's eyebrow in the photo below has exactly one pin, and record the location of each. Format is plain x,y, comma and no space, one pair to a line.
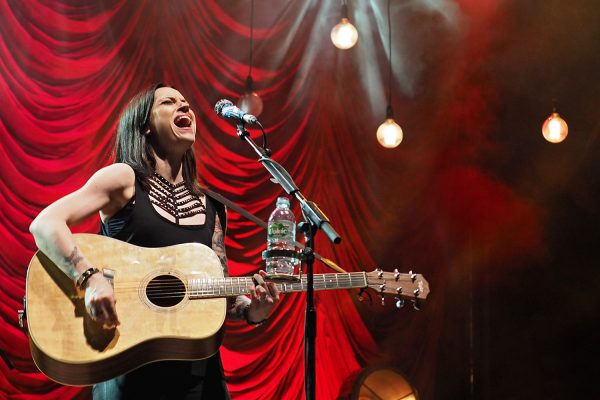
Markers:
172,98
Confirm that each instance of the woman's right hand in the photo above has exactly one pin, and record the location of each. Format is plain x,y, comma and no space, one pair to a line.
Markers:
100,301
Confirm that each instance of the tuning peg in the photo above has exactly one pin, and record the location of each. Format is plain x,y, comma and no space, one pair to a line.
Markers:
382,300
361,296
379,273
416,305
382,288
396,274
399,302
399,290
417,292
413,276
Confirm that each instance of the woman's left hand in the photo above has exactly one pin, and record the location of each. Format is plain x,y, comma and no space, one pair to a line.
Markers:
263,296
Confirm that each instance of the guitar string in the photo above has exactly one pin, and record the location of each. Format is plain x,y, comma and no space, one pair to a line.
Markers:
215,286
234,282
212,287
225,287
220,294
237,281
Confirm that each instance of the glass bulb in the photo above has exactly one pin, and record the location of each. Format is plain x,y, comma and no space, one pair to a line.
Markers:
389,134
555,128
251,103
344,35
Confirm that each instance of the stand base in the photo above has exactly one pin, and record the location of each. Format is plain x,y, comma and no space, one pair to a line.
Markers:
281,278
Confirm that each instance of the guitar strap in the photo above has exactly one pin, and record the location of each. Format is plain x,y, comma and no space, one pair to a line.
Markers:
230,204
235,207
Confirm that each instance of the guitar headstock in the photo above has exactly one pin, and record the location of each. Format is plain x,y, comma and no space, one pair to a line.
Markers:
408,286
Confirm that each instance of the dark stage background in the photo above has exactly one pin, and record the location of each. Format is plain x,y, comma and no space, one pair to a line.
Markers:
503,224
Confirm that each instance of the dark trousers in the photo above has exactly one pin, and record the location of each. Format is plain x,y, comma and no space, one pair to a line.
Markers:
166,380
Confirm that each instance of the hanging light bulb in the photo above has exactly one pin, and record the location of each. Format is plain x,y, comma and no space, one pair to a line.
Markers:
389,133
250,102
555,129
344,35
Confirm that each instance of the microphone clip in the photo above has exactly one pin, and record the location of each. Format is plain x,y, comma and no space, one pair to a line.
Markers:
241,130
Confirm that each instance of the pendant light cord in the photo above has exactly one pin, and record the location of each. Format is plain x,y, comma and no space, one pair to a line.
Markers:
389,54
251,37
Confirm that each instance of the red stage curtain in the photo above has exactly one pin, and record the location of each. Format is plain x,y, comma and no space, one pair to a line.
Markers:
66,71
68,68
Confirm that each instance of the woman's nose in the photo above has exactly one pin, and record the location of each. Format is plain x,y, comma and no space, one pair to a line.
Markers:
183,107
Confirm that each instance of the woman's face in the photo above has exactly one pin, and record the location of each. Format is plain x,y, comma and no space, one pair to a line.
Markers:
172,122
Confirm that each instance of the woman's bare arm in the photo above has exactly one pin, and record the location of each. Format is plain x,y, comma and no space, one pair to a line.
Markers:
263,295
106,191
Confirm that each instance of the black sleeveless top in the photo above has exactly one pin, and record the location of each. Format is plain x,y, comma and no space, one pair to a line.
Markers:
140,224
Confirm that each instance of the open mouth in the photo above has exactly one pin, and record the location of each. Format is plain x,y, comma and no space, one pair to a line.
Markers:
183,121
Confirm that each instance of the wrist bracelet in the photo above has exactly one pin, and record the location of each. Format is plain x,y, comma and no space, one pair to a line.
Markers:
246,309
85,275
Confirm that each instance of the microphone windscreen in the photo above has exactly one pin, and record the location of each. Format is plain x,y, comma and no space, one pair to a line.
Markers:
220,104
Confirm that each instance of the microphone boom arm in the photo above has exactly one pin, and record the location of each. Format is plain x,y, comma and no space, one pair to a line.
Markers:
311,211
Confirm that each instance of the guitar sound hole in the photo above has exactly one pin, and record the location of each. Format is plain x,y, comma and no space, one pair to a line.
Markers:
165,291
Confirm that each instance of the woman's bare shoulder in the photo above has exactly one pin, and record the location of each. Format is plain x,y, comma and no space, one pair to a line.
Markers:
116,176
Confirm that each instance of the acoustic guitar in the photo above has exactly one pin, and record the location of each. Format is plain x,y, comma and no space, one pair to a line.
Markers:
171,303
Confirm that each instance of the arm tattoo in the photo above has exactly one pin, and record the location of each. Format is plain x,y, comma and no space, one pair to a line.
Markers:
218,245
73,259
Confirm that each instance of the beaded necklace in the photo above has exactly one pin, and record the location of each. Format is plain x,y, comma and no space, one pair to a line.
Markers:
174,199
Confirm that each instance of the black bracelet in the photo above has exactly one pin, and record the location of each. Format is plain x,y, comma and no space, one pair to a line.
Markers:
245,312
85,276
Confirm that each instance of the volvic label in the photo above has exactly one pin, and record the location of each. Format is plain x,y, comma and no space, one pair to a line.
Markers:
280,228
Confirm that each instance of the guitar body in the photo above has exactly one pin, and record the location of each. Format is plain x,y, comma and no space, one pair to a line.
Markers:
70,348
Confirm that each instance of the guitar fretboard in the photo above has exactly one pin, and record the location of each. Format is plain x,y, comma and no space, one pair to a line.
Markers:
229,287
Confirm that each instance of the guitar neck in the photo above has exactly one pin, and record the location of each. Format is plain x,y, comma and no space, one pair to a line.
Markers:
231,287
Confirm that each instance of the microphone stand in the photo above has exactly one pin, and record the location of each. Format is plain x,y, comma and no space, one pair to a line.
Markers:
314,219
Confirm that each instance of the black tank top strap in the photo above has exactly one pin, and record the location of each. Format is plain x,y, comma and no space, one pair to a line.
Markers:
117,222
219,209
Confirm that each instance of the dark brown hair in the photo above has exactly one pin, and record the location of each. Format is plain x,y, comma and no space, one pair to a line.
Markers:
133,148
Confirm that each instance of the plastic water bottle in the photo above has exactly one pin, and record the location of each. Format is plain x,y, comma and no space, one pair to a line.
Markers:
281,235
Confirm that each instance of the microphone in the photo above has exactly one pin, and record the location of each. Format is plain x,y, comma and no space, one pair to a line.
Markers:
226,109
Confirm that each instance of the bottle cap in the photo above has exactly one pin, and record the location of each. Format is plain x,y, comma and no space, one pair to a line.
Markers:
283,201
